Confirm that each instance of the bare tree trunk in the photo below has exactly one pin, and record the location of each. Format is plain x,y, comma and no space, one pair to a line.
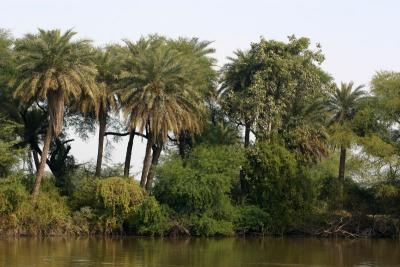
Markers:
100,148
154,161
42,165
146,161
36,159
342,166
129,153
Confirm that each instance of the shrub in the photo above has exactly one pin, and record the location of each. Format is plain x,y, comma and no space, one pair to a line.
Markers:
200,186
150,219
278,185
116,198
84,220
12,194
50,215
206,226
119,196
251,219
104,204
83,190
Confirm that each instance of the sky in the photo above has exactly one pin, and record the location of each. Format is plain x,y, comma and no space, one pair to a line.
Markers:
358,37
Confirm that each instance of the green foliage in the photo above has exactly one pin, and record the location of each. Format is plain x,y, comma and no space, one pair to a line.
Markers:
10,154
150,218
104,204
386,87
203,184
207,226
278,185
118,195
12,194
263,86
50,215
251,219
198,189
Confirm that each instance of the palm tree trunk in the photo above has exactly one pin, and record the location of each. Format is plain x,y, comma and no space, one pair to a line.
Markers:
342,166
100,148
154,161
129,153
42,165
146,161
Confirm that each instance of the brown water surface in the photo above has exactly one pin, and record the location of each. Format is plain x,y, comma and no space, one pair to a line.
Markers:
147,252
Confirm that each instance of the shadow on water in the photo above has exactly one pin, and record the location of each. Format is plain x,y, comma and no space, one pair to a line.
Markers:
231,252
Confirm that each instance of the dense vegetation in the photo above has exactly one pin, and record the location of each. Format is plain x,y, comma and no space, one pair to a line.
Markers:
268,144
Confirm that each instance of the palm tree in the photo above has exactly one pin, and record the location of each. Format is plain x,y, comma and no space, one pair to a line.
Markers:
53,68
157,97
203,78
342,104
107,67
237,77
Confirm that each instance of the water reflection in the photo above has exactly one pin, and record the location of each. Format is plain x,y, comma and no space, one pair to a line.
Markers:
148,252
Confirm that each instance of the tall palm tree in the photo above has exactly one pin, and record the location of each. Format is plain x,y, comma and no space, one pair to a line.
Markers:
237,77
53,68
203,78
108,68
157,97
343,104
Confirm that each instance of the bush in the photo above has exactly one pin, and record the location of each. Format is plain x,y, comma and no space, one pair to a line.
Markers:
251,219
200,186
104,204
12,194
150,219
50,215
206,226
118,196
278,185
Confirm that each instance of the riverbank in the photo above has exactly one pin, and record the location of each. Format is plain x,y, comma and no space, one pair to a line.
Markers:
117,206
348,227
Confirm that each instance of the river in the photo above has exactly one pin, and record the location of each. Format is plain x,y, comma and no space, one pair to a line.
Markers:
196,252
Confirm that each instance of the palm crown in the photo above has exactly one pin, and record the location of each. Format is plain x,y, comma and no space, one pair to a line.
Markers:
157,96
343,102
52,67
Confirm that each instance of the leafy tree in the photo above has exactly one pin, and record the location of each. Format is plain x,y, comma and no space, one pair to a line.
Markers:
263,86
54,68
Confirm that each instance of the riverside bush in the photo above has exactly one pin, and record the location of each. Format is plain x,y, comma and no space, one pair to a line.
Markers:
150,218
199,188
104,204
251,219
278,185
50,215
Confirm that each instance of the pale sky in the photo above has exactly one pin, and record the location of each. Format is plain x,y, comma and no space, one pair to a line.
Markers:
358,37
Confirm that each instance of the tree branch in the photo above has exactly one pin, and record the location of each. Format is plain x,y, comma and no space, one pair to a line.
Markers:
125,134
